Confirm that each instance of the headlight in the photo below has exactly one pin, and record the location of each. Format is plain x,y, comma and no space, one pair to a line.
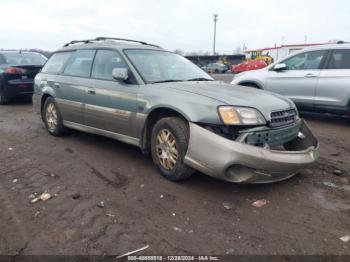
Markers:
231,115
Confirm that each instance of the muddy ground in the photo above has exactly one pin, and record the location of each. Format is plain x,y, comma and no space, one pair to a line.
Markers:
198,216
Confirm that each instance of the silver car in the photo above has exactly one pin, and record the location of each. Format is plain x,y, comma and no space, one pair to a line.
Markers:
316,79
215,68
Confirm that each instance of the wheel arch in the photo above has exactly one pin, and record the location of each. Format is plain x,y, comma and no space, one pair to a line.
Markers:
250,83
153,116
43,99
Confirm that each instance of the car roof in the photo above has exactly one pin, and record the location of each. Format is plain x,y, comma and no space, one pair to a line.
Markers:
108,43
328,46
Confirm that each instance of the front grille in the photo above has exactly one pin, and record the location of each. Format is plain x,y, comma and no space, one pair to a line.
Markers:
283,117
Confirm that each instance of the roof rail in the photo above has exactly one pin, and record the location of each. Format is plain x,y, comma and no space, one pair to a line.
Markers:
98,39
79,41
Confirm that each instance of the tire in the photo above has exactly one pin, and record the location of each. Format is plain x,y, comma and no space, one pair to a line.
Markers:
48,116
177,129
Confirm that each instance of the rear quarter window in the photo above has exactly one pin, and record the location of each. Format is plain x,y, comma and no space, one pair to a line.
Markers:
56,63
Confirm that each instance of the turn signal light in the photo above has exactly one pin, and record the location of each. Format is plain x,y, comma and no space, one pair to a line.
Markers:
15,71
229,115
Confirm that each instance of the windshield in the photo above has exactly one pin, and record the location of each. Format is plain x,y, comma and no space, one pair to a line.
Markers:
161,66
24,58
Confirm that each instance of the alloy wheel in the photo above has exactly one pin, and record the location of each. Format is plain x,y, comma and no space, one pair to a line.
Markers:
51,116
166,150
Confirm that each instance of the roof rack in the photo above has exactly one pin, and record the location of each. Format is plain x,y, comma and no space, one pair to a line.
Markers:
98,39
79,41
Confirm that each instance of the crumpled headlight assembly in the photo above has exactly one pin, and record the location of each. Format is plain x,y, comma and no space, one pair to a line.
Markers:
232,115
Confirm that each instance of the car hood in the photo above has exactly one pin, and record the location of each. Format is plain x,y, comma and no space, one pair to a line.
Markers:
226,94
251,72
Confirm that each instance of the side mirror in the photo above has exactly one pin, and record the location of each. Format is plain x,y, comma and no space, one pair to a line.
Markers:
120,74
280,67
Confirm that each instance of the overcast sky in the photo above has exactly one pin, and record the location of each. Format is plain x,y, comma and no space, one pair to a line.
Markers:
183,24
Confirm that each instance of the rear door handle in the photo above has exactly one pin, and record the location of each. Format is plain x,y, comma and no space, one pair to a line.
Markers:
57,85
310,75
91,91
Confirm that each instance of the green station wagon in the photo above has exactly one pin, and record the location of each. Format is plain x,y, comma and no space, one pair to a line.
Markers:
143,95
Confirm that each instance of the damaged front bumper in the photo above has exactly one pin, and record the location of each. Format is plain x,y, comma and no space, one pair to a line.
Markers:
238,162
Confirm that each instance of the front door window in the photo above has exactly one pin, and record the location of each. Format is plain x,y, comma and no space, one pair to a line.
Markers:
305,61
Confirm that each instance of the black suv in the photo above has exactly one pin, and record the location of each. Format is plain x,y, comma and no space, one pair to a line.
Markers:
17,72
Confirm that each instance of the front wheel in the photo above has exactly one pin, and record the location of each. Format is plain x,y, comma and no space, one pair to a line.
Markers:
52,117
169,143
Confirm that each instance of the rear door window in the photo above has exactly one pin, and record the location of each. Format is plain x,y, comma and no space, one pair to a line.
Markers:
80,64
339,59
56,63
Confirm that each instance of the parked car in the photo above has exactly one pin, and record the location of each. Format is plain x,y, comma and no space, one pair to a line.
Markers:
159,101
215,68
248,65
316,79
17,72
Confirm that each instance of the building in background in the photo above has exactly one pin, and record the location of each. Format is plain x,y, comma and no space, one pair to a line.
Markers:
282,51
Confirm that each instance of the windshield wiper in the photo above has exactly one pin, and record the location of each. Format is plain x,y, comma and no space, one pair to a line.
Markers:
199,79
167,81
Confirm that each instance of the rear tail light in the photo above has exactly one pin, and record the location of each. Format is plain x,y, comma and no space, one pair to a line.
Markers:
15,71
22,86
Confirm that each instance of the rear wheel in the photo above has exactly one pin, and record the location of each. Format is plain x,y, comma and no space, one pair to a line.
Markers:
52,117
169,143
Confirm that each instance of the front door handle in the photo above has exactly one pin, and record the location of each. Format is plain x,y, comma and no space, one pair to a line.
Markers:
56,85
310,75
91,91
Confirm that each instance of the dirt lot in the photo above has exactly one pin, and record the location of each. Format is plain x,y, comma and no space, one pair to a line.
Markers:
198,216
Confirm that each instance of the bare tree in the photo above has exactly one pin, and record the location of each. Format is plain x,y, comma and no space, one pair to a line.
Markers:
198,53
192,53
179,51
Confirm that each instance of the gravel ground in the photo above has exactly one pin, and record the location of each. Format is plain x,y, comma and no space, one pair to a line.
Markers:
139,207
